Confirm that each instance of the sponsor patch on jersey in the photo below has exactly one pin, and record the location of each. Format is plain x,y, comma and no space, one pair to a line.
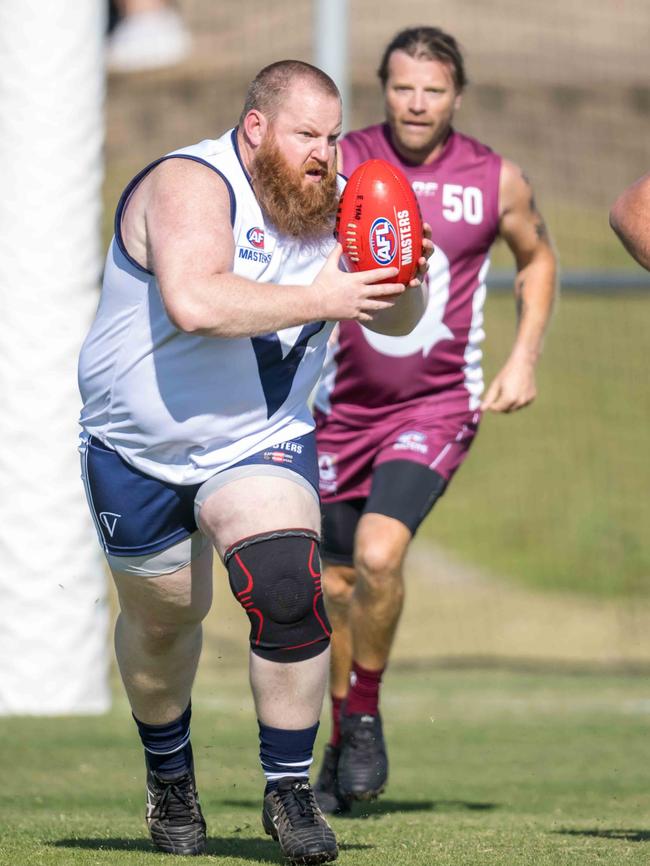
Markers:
273,455
255,237
327,471
412,440
424,187
383,241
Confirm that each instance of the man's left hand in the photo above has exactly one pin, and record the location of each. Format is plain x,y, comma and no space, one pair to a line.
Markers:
512,388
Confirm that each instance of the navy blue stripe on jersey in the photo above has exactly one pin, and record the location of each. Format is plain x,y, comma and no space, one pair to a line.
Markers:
277,372
235,145
130,188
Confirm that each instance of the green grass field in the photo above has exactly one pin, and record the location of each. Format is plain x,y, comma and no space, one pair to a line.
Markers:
555,496
487,768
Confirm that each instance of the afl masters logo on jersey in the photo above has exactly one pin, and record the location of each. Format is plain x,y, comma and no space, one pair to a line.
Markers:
255,237
255,252
383,241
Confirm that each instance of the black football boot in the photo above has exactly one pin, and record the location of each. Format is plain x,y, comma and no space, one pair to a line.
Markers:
291,816
363,763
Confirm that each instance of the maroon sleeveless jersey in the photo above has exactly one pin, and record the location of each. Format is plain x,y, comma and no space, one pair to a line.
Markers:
368,375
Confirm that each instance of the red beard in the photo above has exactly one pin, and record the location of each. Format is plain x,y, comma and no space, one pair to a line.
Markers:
304,211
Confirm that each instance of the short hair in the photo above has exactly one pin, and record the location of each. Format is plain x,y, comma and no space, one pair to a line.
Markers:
426,43
271,85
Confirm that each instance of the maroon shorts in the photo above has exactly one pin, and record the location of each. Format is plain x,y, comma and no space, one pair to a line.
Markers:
348,454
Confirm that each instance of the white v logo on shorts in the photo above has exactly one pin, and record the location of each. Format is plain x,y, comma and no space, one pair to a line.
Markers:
109,519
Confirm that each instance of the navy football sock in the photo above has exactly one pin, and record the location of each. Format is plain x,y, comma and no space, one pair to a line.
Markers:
285,753
167,748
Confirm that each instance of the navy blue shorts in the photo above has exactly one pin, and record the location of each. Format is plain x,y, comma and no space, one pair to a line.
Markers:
137,515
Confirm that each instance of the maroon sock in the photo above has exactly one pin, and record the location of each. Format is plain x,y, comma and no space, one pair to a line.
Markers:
363,696
335,736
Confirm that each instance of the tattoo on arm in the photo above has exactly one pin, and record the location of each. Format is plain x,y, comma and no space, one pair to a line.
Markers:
520,308
536,219
541,231
520,304
540,226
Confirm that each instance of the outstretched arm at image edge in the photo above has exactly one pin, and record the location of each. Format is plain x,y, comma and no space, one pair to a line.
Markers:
630,219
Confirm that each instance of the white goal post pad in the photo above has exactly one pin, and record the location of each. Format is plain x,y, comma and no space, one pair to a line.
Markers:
53,605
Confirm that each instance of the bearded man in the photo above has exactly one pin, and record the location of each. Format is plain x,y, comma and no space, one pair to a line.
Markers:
221,288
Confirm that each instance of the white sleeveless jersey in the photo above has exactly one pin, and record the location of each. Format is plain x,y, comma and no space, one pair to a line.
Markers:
182,407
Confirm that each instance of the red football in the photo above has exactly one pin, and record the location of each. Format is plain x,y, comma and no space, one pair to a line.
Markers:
378,222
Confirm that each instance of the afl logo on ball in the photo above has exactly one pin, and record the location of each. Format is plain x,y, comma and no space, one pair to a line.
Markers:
255,237
383,241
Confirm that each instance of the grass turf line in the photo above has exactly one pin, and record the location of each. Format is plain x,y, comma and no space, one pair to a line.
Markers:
490,767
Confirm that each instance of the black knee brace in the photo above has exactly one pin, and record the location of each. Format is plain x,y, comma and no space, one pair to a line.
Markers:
275,576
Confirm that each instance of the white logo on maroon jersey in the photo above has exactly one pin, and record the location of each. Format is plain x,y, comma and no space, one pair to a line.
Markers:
412,440
430,329
424,187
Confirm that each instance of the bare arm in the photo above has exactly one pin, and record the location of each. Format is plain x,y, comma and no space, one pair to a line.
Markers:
190,248
630,219
523,229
